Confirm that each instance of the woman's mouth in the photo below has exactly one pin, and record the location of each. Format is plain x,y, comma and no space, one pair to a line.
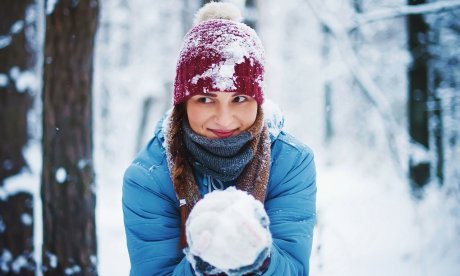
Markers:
221,133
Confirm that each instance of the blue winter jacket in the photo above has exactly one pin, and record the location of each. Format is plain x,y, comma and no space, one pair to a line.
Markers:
152,218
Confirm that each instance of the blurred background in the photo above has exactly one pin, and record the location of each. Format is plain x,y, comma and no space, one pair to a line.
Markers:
372,86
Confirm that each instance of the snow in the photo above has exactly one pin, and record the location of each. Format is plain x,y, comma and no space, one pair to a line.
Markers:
72,270
19,263
3,80
15,72
26,81
217,223
93,259
50,5
368,221
274,117
235,48
61,175
5,258
222,74
5,40
419,153
53,261
26,219
81,164
17,27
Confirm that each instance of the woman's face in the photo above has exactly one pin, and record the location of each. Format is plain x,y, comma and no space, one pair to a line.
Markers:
221,114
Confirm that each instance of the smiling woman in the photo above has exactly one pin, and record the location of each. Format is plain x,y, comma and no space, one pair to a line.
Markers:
217,137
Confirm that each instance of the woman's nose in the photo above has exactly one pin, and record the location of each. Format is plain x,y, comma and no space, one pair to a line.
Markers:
224,117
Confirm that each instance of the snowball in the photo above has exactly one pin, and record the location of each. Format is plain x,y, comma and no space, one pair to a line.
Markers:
228,229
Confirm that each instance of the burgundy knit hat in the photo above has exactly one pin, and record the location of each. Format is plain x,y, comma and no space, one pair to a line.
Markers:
219,54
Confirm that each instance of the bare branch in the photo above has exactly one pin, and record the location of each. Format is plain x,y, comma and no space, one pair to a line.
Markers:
395,132
389,13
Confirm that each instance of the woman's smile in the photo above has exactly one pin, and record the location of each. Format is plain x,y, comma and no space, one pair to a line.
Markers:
222,133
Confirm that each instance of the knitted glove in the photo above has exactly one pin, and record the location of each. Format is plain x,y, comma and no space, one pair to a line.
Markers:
227,231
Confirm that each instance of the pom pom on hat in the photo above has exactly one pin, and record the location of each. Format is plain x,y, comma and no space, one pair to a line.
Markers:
217,10
219,54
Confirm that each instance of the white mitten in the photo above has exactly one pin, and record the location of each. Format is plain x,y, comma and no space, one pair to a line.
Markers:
228,230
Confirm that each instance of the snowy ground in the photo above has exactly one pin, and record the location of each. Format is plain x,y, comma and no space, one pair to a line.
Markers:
368,223
366,226
371,226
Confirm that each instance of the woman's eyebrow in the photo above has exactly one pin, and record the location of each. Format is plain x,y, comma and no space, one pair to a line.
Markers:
208,94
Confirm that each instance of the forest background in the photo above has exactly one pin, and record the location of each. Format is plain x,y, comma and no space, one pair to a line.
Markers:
372,86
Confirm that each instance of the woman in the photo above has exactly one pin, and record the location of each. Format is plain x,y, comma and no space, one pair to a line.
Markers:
215,137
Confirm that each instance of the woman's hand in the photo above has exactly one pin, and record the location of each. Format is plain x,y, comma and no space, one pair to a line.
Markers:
227,231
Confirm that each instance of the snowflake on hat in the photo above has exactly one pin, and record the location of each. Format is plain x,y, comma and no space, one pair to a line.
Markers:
220,54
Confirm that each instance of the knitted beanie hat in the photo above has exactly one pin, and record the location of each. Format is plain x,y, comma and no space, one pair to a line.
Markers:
219,54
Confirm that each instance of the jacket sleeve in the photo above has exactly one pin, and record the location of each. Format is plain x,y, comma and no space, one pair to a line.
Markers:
291,207
151,221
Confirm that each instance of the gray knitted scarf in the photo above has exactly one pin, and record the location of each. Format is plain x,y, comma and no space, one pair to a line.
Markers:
223,159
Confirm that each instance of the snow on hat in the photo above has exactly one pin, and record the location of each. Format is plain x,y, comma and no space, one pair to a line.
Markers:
219,54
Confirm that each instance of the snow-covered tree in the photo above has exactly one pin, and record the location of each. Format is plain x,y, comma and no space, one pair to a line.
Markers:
68,188
17,78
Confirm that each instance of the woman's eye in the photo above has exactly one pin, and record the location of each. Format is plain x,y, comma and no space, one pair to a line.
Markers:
204,100
239,99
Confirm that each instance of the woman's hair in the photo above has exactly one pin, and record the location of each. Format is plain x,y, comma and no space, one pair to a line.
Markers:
176,146
178,165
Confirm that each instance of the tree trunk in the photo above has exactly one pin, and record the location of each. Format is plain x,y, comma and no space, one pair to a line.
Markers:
68,188
17,59
250,13
328,92
16,235
435,107
447,88
419,170
16,56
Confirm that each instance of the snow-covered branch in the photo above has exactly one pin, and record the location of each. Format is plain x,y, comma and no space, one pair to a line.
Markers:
395,132
388,13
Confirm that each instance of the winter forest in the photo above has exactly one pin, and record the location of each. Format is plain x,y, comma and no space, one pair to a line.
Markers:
372,86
